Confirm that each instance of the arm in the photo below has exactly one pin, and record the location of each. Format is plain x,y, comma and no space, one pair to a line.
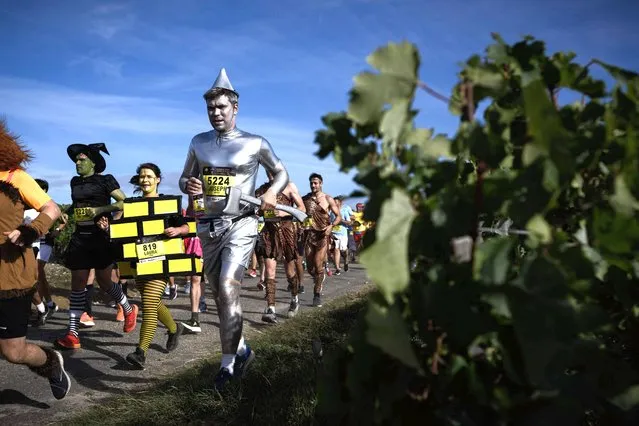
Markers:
274,165
338,217
119,197
189,180
27,234
297,198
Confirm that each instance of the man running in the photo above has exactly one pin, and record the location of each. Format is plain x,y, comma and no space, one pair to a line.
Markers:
280,240
318,228
217,160
340,235
90,247
18,270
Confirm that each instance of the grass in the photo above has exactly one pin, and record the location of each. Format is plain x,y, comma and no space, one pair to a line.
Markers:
279,388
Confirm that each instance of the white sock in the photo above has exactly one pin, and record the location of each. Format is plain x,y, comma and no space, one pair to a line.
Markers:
295,299
241,347
228,361
272,308
40,307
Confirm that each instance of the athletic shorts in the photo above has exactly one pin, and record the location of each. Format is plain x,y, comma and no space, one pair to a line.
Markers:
45,252
90,251
341,242
14,316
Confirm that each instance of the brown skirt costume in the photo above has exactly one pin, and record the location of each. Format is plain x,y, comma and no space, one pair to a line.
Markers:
314,234
279,236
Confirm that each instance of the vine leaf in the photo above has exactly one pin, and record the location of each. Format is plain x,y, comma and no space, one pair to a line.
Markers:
386,260
539,229
397,80
492,260
387,331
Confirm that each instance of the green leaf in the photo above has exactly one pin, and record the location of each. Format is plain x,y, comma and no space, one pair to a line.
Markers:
372,91
430,147
400,59
622,200
492,260
628,399
393,121
539,229
387,331
386,260
544,123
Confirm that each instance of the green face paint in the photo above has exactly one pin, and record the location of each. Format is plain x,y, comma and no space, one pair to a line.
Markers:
84,166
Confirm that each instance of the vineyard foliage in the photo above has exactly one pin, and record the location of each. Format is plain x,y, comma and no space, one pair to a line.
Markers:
533,329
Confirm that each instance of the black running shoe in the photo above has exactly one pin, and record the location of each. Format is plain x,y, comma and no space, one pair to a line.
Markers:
242,362
221,379
59,380
192,326
174,338
137,358
317,300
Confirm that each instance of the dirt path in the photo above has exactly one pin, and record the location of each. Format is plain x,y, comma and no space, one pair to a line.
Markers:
99,369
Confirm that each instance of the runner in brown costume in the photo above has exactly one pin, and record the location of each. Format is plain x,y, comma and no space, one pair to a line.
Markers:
318,229
280,240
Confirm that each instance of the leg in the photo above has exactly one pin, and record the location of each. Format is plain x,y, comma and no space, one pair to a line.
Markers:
77,301
271,288
43,284
114,290
193,324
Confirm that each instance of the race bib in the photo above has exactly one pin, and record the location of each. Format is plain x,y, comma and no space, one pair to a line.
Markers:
149,250
198,204
217,180
82,214
337,228
260,226
308,222
269,214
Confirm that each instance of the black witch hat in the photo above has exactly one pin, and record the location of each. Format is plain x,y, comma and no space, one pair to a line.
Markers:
92,151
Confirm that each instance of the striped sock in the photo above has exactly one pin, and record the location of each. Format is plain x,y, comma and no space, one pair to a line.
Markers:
116,293
76,307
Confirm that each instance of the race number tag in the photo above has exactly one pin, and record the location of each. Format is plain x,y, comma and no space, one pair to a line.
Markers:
308,223
149,250
337,228
82,214
260,226
269,214
198,203
217,179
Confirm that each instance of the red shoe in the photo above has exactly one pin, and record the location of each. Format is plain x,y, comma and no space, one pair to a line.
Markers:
86,320
119,317
70,341
131,319
252,273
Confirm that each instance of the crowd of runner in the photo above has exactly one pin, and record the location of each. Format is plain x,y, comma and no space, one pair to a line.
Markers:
229,245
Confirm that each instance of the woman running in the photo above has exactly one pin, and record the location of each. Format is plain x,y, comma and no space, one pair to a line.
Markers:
90,247
146,180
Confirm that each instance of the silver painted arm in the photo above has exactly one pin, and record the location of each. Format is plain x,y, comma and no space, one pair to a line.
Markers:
273,165
191,168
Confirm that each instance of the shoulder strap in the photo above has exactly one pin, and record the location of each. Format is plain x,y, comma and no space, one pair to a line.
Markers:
10,176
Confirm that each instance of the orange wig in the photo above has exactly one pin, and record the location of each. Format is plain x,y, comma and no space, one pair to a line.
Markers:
13,155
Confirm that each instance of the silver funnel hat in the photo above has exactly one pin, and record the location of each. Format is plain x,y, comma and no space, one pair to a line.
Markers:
222,82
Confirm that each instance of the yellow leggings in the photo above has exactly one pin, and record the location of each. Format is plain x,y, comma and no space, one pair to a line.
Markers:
153,309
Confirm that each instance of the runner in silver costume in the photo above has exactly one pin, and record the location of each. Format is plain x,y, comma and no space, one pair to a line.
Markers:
216,160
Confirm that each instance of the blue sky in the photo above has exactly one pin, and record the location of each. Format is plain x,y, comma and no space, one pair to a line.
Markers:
132,76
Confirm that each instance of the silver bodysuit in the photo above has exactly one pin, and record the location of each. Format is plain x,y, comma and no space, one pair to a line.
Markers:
221,160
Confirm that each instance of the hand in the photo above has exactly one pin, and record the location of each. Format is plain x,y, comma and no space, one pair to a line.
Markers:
14,237
269,199
328,230
172,232
103,223
193,186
